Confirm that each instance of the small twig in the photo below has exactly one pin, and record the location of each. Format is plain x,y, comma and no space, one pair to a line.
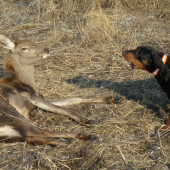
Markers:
121,153
160,142
97,163
64,165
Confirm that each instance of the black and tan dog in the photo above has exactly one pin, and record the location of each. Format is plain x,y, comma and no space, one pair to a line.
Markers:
153,61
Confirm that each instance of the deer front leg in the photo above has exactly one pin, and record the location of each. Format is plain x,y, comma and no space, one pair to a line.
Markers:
43,104
77,100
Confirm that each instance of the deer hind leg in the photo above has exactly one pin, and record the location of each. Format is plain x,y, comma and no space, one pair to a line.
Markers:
13,129
35,140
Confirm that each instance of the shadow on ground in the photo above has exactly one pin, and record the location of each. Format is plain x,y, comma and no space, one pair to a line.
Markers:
146,92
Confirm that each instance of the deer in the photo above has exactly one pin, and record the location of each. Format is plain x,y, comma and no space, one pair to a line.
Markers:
18,96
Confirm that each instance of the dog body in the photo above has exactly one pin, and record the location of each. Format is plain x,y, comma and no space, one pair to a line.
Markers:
153,61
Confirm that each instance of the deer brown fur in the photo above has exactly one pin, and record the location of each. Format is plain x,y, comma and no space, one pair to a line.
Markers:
18,96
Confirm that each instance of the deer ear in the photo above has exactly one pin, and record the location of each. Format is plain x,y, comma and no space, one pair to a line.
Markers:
5,41
16,37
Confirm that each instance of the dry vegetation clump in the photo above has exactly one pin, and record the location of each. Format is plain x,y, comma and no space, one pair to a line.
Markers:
86,39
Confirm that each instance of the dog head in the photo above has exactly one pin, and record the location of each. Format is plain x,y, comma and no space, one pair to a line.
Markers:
143,57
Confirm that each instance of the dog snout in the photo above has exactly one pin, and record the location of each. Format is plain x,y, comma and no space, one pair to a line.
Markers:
124,52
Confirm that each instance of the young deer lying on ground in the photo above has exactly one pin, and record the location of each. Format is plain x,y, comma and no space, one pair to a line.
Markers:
18,96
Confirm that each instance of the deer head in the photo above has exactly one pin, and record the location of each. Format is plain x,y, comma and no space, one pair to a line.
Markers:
23,54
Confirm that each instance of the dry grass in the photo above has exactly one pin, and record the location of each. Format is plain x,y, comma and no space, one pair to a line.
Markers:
86,39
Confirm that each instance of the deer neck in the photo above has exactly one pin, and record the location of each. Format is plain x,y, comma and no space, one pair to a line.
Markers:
20,72
26,75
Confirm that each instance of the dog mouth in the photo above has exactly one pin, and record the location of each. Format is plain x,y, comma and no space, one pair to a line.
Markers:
130,66
44,56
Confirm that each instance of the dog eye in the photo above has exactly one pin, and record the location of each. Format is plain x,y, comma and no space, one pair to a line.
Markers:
24,49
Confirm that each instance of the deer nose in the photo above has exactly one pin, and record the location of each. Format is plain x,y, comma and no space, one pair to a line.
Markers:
124,52
46,50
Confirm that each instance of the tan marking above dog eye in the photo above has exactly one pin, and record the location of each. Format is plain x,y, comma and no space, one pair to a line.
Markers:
138,49
144,61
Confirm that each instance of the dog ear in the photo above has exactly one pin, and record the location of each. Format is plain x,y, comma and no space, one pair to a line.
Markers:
157,60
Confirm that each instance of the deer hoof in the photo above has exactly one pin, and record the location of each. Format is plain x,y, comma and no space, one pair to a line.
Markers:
90,122
111,100
92,137
86,121
84,136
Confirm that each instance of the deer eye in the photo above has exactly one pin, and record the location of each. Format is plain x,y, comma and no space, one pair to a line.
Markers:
24,49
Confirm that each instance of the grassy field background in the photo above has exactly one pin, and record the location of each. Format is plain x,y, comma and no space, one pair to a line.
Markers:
86,39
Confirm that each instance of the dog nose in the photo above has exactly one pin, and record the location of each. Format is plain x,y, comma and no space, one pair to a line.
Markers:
46,50
123,52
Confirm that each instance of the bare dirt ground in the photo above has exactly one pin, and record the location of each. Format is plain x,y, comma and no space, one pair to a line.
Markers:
86,39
